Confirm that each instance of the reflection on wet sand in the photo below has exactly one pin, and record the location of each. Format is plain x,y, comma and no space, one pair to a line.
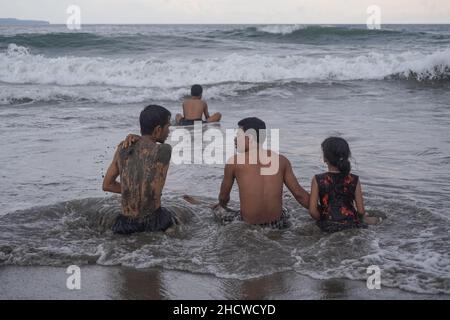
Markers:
99,282
262,288
333,289
138,284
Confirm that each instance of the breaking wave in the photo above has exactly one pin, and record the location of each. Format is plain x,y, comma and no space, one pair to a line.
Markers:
140,79
313,34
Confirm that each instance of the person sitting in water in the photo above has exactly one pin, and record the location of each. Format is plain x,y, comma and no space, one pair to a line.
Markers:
194,108
142,167
260,192
335,193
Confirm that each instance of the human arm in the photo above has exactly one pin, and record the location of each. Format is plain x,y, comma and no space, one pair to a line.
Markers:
162,165
129,140
205,110
227,184
300,194
314,200
359,201
109,181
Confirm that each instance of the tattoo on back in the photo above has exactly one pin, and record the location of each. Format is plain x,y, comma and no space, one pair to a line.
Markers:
143,167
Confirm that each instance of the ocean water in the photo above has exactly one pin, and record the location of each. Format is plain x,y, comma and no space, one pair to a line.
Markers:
68,98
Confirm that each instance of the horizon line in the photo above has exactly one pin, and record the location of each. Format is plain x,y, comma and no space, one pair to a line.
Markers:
238,23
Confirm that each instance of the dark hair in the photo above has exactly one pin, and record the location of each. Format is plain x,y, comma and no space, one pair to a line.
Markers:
337,152
255,124
153,116
196,90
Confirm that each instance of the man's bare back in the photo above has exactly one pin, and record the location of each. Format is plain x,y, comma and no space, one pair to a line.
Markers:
261,195
260,175
194,109
143,168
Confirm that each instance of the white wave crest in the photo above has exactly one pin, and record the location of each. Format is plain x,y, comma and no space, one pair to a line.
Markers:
23,94
171,78
280,29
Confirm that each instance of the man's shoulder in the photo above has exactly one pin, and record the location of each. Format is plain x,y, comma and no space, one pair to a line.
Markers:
164,147
281,159
122,152
164,152
232,160
194,102
190,100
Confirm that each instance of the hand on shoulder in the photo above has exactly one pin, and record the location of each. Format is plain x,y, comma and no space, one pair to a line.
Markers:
129,140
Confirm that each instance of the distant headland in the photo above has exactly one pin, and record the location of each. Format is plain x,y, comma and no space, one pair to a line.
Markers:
18,22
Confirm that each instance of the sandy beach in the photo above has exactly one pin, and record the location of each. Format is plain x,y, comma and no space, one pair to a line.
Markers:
99,282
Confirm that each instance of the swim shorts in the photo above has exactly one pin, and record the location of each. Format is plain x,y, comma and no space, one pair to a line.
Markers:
160,220
185,122
228,215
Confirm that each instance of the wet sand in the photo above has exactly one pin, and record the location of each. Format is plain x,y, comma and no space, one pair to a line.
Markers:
98,282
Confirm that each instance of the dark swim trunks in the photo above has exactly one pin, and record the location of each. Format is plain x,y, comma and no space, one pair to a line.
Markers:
229,215
185,122
160,220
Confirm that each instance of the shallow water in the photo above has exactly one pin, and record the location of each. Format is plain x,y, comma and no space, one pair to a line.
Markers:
63,110
77,232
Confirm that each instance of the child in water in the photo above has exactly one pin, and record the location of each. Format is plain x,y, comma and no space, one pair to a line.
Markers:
336,200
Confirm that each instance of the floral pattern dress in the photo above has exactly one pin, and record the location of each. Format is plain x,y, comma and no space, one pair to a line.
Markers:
336,202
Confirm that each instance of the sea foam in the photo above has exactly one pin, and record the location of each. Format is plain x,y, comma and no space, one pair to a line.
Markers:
169,78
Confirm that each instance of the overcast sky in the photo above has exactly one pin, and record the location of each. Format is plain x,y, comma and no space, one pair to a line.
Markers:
229,11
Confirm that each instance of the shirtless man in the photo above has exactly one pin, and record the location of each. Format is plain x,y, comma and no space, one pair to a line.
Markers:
194,108
260,195
142,167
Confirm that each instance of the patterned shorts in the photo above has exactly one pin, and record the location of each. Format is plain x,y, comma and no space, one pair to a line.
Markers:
229,215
